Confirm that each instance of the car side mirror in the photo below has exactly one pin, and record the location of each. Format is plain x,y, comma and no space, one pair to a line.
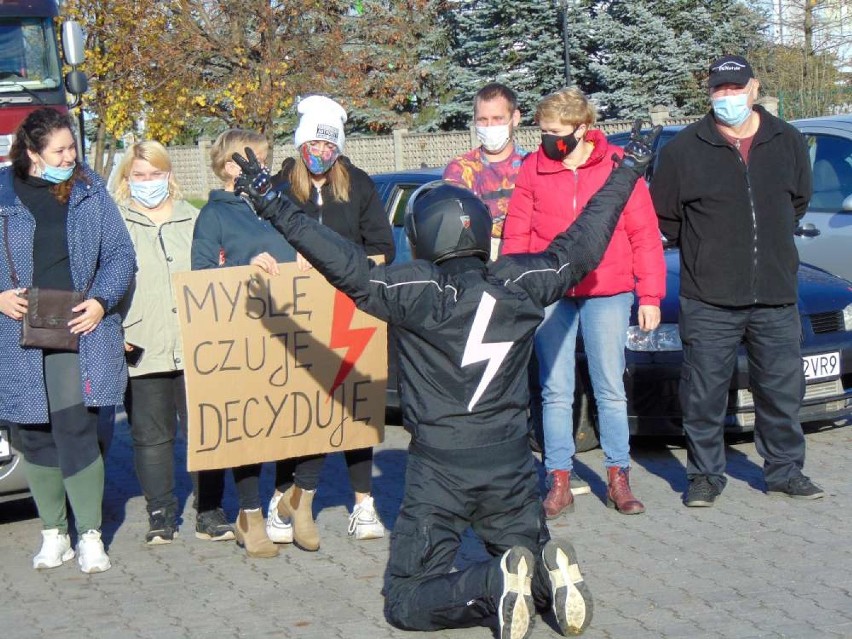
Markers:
73,43
847,203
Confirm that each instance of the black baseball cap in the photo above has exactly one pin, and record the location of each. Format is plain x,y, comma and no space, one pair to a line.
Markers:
729,69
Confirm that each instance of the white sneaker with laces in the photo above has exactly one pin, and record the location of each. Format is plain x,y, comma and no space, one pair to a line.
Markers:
364,522
55,549
278,529
91,555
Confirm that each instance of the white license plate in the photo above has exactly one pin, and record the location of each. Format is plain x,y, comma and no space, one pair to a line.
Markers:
821,366
5,449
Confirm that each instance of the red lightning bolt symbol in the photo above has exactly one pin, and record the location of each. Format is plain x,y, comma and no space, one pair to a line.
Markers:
355,340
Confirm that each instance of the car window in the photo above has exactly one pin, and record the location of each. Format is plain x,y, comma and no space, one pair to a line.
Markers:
621,139
399,200
396,214
831,161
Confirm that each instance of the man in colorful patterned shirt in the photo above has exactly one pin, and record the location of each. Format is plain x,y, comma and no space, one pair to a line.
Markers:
490,170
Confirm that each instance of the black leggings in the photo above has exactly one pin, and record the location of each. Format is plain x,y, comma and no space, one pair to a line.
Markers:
305,471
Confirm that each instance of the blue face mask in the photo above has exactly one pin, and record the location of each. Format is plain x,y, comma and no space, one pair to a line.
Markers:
732,110
150,193
56,174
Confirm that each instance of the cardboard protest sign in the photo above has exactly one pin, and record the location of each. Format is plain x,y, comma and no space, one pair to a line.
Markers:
277,366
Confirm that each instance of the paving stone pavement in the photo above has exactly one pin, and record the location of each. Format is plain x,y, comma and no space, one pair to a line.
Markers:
752,566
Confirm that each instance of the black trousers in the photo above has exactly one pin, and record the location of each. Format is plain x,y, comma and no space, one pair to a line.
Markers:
156,405
493,490
305,471
711,336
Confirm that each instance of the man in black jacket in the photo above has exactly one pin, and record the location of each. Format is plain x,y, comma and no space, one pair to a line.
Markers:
730,191
464,332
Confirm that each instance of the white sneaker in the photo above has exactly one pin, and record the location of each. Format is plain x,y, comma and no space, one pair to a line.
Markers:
91,555
55,549
279,531
364,522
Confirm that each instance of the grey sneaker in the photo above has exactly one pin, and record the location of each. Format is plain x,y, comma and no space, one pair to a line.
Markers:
701,493
799,487
516,606
213,525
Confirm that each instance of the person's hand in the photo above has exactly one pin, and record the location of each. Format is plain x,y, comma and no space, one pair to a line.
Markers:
649,317
303,263
639,152
254,182
12,304
266,262
91,314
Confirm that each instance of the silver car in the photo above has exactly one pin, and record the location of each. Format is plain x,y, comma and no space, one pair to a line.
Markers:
825,235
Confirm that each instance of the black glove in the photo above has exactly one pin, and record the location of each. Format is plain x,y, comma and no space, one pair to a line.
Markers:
255,182
639,152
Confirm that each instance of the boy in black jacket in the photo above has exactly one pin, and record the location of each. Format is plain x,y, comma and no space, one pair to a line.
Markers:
463,329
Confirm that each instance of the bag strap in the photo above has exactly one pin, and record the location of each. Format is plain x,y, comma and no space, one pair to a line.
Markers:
12,272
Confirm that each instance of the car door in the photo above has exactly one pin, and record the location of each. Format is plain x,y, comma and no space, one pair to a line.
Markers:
825,236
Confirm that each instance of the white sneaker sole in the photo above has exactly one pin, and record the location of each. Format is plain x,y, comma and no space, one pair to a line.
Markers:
156,540
44,564
102,566
572,600
516,607
369,531
91,570
228,536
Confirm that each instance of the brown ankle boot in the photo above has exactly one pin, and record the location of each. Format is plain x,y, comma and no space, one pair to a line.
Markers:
296,504
559,499
619,495
251,534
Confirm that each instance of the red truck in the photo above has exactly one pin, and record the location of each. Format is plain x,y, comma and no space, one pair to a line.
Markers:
30,64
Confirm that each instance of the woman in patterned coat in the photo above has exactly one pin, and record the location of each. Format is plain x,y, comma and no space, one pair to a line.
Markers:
61,230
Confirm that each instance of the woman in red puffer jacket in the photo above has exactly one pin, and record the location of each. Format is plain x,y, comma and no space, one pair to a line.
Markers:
554,184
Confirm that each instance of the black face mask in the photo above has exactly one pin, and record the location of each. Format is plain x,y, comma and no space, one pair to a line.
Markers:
557,147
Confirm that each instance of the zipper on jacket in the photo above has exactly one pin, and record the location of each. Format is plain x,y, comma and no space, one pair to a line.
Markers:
576,173
753,226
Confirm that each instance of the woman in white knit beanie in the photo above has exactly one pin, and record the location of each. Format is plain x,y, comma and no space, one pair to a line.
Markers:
332,190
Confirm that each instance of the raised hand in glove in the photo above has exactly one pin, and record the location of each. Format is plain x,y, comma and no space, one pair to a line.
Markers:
639,152
255,182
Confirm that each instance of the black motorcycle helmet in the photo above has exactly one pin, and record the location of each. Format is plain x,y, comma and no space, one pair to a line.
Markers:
443,220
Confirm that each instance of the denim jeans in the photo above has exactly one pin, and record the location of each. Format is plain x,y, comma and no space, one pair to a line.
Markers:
603,322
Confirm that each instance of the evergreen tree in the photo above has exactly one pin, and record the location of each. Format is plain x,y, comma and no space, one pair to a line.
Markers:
517,42
648,52
390,67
